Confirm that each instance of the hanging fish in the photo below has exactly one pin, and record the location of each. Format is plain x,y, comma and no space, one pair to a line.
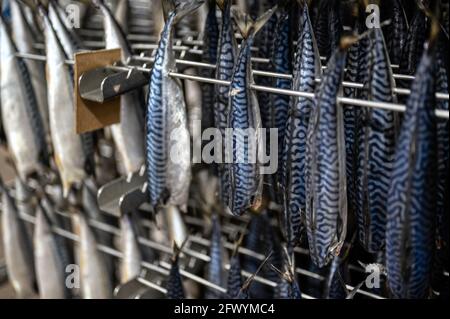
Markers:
167,134
307,68
22,121
245,120
326,195
282,63
327,26
94,276
442,226
411,210
397,32
210,47
356,72
128,135
18,249
227,51
24,38
71,44
51,259
376,137
413,48
266,42
215,273
67,145
132,255
174,284
175,225
69,40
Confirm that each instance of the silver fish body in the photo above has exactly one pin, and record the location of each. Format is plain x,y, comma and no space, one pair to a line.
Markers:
67,145
95,279
132,256
168,138
51,259
22,122
24,38
128,135
17,249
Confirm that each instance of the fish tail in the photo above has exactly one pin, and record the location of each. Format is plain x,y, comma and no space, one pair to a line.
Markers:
248,26
180,8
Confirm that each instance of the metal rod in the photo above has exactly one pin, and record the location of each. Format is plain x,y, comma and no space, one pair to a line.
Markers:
347,101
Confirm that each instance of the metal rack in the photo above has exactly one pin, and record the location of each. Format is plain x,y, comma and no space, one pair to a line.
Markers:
191,47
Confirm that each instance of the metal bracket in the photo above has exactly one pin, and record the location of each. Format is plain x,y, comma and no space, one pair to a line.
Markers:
102,84
111,197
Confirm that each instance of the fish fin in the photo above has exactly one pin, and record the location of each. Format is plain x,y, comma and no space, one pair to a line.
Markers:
249,27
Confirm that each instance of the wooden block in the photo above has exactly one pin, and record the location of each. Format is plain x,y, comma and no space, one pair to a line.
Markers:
91,116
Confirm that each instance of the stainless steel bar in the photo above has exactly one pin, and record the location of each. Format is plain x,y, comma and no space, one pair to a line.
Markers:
348,101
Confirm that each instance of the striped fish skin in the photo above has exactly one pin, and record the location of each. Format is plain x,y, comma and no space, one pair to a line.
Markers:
411,210
357,71
281,61
396,33
174,283
307,69
234,281
328,26
167,128
413,48
210,43
132,256
17,249
128,135
376,138
228,52
443,149
326,194
51,259
24,39
215,272
95,278
246,182
67,145
21,118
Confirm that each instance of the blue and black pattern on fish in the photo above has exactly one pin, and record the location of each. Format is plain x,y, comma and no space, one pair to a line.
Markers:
210,44
215,273
411,210
227,51
245,120
375,142
155,130
397,32
282,63
307,68
326,194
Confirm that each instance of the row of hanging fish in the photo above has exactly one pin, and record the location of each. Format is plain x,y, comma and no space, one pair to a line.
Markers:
345,171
